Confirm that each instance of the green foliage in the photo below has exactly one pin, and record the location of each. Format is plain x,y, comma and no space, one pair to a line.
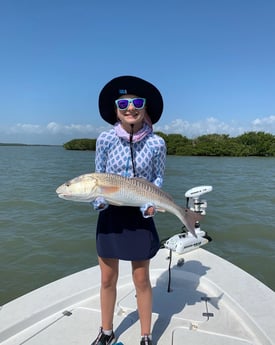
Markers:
247,144
81,144
258,143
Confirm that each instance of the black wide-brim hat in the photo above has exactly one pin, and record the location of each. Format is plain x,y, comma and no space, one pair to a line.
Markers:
130,85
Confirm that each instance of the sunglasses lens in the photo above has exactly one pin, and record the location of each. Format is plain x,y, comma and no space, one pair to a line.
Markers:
138,103
122,103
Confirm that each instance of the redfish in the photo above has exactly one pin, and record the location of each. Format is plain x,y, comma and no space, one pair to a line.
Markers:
122,191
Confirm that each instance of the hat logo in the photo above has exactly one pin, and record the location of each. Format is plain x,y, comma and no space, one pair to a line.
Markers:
122,92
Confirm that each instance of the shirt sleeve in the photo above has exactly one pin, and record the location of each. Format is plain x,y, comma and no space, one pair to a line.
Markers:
159,160
103,143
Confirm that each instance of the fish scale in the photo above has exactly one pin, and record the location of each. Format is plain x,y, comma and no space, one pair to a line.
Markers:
133,184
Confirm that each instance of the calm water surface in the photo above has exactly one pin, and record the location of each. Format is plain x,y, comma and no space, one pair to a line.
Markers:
44,238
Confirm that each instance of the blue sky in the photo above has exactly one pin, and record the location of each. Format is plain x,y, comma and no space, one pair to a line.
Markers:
213,60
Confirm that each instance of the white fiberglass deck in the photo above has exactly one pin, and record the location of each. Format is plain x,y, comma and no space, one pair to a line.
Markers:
211,302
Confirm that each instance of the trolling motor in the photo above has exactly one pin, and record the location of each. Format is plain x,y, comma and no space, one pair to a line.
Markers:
185,241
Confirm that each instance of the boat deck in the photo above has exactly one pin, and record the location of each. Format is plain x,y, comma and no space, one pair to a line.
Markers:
211,302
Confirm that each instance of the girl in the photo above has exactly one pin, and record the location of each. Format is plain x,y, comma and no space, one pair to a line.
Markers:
129,149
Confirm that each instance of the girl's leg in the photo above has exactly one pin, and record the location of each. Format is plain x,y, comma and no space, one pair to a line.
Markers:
109,276
141,278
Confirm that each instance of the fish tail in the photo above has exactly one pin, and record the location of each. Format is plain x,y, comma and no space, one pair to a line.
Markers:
190,219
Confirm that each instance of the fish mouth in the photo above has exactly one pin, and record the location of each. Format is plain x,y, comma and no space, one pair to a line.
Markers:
63,196
78,198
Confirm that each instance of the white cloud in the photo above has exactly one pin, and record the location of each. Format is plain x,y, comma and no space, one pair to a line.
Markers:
25,128
265,123
51,133
56,133
193,129
54,127
75,129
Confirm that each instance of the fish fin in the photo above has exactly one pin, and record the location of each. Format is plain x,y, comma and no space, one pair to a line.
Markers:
116,203
108,189
160,209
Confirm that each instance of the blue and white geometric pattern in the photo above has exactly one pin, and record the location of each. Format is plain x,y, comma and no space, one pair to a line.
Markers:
113,155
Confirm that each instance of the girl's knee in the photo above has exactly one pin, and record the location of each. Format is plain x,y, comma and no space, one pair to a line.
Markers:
142,282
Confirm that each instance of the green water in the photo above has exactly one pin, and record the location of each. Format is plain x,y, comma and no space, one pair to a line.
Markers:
44,238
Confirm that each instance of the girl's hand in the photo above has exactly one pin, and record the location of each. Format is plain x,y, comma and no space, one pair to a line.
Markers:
148,210
99,204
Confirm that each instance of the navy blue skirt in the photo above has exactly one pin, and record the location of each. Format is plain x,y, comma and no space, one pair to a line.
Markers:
123,233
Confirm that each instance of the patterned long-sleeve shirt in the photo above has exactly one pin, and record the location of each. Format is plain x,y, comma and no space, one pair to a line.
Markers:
113,155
